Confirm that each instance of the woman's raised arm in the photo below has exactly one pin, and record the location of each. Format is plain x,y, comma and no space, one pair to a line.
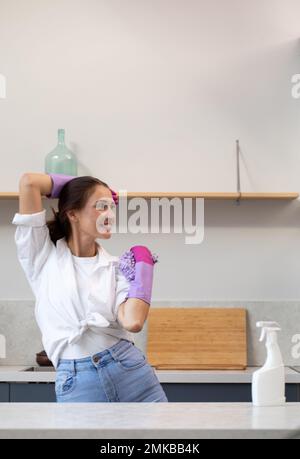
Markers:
32,186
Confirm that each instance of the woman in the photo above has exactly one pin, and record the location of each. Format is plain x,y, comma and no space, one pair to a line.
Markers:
85,307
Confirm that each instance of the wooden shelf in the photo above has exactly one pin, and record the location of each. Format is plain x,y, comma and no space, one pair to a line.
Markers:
280,196
163,194
230,196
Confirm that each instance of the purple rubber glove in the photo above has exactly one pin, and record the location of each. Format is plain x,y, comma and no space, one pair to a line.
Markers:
137,266
58,182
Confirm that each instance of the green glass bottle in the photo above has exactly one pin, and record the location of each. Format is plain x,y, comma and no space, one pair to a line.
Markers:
61,160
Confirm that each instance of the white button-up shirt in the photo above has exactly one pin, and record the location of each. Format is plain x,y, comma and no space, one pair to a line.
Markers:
62,317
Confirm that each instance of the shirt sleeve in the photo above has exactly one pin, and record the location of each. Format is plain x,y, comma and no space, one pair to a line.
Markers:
33,243
122,289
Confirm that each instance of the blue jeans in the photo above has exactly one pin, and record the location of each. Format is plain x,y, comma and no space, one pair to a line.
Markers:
120,373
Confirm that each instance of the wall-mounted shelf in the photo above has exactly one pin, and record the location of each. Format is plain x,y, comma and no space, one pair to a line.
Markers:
280,196
230,196
164,194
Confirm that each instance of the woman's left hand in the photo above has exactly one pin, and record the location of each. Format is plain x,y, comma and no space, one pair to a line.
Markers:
137,266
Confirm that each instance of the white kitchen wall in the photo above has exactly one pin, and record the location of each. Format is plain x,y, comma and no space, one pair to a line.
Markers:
158,83
153,94
249,252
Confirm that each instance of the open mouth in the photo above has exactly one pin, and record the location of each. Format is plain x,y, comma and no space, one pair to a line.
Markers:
104,225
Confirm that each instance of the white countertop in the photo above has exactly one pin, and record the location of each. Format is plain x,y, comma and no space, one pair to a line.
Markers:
17,374
148,420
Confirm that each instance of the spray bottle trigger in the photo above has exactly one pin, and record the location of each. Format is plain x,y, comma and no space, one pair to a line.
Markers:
267,326
263,334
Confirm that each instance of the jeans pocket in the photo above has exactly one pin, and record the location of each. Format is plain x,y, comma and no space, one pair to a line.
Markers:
131,359
65,382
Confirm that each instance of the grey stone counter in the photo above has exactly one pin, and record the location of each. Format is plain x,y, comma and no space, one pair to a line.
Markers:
18,374
148,420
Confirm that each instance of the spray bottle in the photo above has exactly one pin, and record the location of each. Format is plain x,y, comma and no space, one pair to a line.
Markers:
268,383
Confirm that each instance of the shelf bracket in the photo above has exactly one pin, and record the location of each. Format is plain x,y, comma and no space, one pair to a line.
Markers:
238,178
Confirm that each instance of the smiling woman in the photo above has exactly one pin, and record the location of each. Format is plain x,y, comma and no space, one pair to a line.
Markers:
86,309
77,213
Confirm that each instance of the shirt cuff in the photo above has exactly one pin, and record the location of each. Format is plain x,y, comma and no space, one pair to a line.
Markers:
36,219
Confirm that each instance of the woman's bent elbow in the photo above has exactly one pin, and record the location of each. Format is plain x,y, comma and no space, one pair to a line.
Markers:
134,328
26,179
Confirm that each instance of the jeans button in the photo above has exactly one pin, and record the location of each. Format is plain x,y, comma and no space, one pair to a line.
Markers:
96,358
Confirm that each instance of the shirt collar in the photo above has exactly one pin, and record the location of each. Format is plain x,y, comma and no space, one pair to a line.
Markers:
105,259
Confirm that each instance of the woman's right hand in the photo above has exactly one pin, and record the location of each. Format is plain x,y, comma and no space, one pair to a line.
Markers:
58,182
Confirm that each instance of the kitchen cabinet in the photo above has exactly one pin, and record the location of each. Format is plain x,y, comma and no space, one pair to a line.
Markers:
219,392
4,392
176,392
32,392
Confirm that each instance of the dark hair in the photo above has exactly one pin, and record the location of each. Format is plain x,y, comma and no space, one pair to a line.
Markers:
73,195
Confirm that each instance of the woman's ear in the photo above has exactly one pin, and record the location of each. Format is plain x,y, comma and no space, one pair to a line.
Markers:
72,215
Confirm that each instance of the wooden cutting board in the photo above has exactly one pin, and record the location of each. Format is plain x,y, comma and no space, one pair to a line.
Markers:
197,338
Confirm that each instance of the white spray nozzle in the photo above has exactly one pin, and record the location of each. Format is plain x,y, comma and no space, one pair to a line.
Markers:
266,327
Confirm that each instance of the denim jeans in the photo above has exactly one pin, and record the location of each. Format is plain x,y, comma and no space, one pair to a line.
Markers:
120,373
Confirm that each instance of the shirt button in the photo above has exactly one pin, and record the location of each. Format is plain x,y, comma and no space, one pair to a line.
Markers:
96,359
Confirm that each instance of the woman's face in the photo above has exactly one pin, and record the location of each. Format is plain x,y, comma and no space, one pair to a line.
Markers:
97,216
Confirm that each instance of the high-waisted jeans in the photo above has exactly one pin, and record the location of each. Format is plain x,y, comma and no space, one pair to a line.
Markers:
120,373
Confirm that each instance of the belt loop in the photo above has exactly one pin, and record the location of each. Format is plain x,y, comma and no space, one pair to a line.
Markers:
73,367
116,348
114,356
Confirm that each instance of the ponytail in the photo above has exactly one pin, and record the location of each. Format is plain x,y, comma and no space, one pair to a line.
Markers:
56,228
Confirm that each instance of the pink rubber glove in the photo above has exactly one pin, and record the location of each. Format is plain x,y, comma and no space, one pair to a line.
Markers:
58,182
142,254
114,196
142,280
